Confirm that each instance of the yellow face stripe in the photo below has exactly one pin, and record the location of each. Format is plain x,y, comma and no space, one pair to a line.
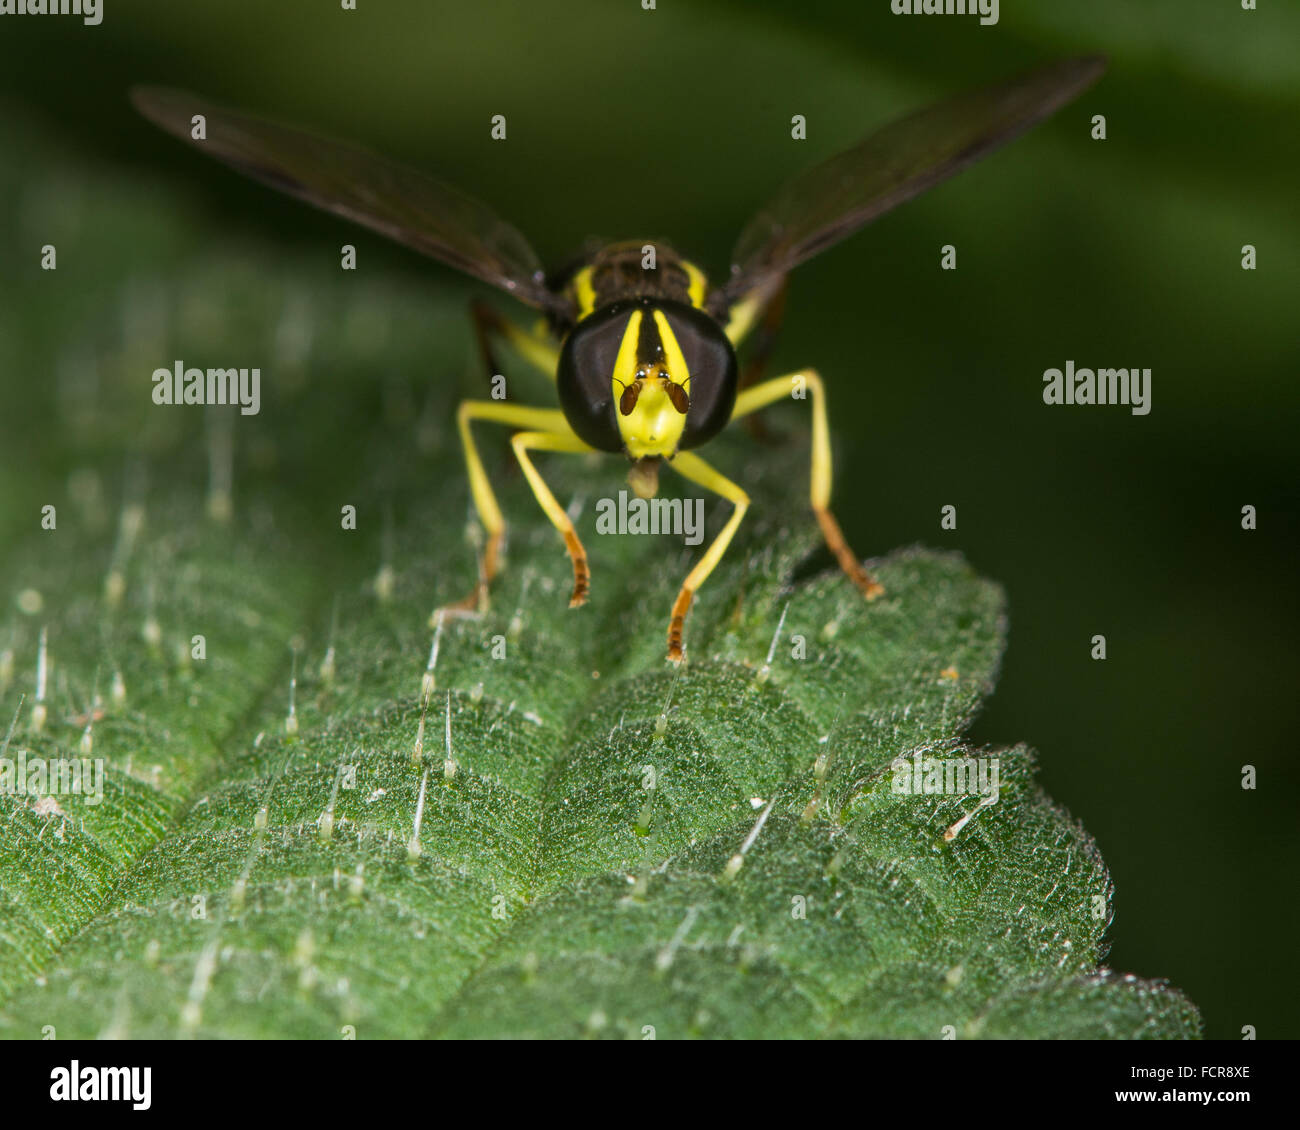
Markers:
673,358
654,426
625,363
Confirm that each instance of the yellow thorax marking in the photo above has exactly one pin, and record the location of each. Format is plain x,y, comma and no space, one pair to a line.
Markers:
699,284
583,288
654,426
584,292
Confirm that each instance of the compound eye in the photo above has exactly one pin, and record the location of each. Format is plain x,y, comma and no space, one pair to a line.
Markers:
711,362
584,379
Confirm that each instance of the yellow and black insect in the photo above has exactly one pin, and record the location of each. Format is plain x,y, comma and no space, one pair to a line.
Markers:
643,358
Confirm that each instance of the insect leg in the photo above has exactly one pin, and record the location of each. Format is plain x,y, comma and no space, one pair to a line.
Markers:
515,416
751,400
698,471
763,336
523,442
762,342
534,346
745,314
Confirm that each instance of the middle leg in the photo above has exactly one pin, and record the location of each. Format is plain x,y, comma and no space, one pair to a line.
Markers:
760,396
549,420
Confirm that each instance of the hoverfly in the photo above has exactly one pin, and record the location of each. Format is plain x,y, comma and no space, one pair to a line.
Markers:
643,359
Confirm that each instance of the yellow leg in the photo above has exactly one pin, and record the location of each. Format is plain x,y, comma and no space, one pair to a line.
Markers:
523,442
698,471
550,420
534,345
795,385
747,313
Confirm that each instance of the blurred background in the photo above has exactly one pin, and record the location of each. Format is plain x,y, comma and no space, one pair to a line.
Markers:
675,124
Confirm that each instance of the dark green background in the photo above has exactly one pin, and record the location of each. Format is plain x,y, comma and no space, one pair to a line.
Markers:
675,124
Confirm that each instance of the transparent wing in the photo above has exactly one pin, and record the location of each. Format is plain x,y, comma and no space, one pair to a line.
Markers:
382,195
900,161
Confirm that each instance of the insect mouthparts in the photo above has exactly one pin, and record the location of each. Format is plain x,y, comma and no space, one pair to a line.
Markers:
643,478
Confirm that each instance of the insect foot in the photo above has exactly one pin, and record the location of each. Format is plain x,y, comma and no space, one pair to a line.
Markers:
835,542
675,625
581,573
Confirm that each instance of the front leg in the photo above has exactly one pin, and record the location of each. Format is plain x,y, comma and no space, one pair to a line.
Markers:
698,471
522,443
548,420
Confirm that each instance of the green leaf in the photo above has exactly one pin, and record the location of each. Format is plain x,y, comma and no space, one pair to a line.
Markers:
606,845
